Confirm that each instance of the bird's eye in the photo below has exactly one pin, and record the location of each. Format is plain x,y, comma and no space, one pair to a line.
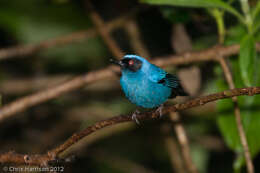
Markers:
131,62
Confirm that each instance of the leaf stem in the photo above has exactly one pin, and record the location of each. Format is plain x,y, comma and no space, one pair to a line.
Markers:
218,15
248,19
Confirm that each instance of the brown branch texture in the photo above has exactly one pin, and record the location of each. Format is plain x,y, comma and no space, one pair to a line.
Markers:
189,57
44,159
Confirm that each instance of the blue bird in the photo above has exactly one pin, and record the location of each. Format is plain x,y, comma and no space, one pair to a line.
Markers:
145,84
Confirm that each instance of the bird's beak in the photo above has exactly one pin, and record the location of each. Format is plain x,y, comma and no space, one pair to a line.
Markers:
117,62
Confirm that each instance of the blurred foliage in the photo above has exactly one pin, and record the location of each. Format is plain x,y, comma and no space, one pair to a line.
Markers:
34,21
250,118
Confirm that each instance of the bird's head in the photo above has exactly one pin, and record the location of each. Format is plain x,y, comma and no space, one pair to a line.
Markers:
130,63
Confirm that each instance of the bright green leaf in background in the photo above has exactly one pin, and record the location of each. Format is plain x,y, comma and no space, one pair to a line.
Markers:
256,25
197,4
247,60
189,3
234,34
250,111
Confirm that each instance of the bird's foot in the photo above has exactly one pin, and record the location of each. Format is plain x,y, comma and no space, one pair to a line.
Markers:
134,116
159,110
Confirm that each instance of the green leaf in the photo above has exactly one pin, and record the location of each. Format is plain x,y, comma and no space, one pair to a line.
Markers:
249,107
188,3
256,24
197,4
234,34
256,10
247,60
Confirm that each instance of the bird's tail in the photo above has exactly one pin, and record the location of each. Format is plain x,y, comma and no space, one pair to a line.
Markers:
181,92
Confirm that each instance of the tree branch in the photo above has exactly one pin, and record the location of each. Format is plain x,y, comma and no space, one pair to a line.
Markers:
80,81
100,25
24,50
242,135
53,92
183,141
173,150
44,159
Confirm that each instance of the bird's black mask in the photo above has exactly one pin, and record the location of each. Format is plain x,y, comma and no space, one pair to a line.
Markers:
131,64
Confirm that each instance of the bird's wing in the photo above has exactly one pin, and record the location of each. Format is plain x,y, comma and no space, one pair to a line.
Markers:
160,76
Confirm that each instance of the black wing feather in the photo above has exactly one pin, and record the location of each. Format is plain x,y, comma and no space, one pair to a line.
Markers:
173,82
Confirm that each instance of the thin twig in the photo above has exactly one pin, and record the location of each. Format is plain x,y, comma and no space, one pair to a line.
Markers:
85,142
21,159
44,159
47,94
181,42
153,114
50,93
25,85
183,141
21,86
24,50
100,25
80,81
242,135
173,150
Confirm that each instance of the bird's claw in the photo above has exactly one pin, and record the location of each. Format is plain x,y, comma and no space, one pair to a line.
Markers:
134,117
159,110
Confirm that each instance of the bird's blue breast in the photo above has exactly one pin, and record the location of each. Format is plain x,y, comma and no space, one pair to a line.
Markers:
140,90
